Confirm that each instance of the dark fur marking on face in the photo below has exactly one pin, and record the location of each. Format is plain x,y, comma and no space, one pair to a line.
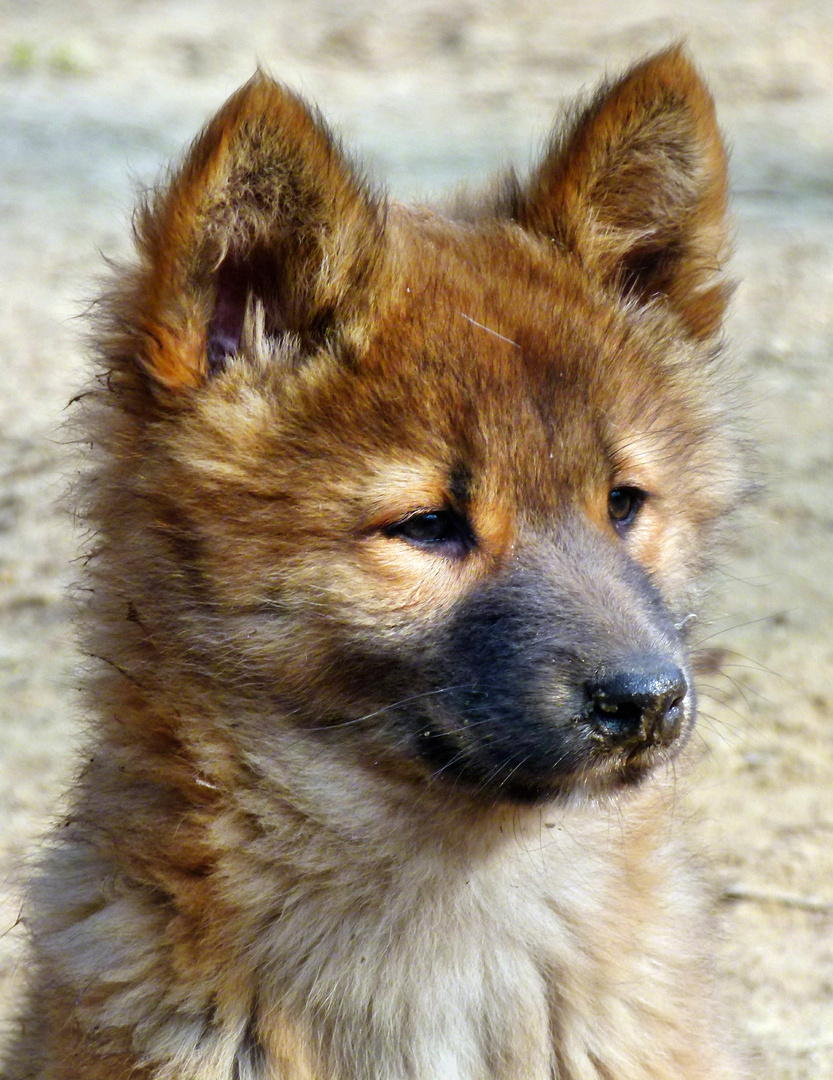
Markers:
460,484
518,719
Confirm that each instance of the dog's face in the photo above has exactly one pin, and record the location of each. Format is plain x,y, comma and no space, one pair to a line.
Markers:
453,512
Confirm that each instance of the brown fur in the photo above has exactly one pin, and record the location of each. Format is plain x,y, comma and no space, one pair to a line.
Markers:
263,875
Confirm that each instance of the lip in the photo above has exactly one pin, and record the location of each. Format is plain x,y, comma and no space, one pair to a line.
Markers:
602,773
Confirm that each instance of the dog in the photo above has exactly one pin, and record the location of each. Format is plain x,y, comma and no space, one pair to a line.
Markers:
400,517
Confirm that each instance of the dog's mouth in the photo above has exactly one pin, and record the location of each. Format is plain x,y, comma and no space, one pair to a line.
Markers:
628,724
525,779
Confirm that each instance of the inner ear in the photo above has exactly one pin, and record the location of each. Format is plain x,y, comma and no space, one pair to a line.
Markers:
649,271
237,283
225,327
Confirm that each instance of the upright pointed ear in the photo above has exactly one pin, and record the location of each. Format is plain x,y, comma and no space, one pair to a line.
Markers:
265,206
637,188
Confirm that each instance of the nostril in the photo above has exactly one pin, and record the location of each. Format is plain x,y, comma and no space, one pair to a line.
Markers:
640,701
617,715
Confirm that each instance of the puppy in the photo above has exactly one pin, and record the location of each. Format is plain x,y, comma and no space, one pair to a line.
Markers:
400,518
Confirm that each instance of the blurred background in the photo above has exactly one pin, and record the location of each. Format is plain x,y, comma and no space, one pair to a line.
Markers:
96,95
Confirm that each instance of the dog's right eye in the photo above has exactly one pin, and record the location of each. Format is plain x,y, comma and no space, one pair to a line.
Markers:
623,504
442,530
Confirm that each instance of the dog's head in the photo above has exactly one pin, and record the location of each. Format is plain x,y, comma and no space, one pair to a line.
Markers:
440,488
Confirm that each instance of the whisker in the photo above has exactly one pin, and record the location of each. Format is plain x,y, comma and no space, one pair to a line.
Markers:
396,705
740,626
489,330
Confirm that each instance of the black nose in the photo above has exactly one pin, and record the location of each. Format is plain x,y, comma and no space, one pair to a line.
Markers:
639,701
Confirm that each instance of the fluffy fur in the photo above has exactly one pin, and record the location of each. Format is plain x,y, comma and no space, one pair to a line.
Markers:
387,504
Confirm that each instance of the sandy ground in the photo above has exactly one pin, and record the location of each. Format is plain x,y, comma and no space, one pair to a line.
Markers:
96,94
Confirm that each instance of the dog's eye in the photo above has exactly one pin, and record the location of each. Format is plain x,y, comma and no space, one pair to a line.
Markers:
623,504
442,530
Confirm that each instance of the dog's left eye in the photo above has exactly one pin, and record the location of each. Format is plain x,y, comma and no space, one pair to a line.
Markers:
442,530
623,504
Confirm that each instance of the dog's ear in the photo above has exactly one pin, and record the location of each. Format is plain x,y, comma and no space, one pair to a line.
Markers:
264,206
636,187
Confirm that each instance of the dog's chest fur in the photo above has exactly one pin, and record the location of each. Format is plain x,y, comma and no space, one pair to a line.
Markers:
523,947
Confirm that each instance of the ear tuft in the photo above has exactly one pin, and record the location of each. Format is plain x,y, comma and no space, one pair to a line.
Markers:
636,187
265,207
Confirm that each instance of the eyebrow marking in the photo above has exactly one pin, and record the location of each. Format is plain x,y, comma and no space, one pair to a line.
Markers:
459,483
488,330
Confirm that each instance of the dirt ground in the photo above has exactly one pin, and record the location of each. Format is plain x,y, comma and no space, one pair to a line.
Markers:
96,94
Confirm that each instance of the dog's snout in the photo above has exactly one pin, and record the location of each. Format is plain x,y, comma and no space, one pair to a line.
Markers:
639,702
